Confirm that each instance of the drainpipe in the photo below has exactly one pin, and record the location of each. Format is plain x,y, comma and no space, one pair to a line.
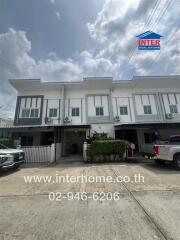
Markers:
55,142
63,105
62,118
111,114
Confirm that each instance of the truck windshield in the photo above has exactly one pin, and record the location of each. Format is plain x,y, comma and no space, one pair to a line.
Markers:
2,146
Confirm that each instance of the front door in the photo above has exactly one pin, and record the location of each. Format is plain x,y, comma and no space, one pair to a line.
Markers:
47,138
73,141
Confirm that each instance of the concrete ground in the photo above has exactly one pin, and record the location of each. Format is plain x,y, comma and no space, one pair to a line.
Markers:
148,210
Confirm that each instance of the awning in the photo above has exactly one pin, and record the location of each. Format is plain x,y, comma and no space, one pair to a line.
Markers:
147,125
64,126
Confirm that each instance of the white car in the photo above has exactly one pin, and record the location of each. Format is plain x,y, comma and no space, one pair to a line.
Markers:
169,152
10,158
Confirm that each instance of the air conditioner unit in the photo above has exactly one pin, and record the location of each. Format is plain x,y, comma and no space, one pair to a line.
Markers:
67,120
117,119
48,120
169,116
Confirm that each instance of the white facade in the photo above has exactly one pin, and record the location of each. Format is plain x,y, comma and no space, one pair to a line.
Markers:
101,103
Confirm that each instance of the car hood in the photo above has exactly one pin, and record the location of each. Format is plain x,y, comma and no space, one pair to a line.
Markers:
10,151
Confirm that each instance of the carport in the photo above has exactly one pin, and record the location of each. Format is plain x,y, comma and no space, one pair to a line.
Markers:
141,133
57,140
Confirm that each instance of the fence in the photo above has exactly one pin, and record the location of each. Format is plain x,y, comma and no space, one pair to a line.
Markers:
39,154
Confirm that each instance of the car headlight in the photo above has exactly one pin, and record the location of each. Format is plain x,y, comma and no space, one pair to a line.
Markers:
3,159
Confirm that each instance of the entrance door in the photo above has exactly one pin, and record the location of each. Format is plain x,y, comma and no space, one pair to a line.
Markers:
73,141
26,141
129,135
47,138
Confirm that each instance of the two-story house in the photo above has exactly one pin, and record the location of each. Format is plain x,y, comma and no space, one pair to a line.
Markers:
68,112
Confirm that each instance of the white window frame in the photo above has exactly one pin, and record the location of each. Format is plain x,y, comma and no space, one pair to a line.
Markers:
25,109
150,109
75,108
173,105
29,109
53,109
125,106
99,115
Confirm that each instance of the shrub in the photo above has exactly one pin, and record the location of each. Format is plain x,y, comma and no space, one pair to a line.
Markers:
6,142
106,150
98,136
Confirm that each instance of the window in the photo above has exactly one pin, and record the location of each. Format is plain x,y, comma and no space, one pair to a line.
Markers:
147,109
173,109
124,110
34,113
30,113
25,113
99,111
75,112
53,112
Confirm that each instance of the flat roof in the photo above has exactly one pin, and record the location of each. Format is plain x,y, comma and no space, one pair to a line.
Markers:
96,82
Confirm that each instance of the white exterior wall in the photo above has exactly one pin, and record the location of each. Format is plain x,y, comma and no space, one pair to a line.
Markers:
145,99
53,97
171,99
94,101
75,99
111,97
103,128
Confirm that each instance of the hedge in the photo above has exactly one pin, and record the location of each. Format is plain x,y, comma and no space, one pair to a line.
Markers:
98,136
6,142
106,150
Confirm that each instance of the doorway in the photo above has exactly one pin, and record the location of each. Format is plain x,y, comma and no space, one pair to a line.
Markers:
129,135
73,141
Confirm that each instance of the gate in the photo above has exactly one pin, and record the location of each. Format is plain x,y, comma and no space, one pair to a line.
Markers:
39,154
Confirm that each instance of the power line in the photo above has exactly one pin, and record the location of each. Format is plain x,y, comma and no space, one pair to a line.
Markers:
134,48
156,21
152,60
152,12
162,13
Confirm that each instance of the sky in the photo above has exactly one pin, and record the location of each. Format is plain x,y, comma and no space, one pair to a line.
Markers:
66,40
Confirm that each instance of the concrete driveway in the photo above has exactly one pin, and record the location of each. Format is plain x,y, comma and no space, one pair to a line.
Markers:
145,210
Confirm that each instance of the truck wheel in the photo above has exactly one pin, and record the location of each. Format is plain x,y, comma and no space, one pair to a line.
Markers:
176,161
16,166
159,162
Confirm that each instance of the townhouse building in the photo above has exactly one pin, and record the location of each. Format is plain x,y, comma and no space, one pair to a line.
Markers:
69,112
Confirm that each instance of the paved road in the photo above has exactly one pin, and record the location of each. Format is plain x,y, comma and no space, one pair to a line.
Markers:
148,210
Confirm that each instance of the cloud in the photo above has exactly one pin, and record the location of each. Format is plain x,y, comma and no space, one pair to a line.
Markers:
58,15
16,62
95,66
119,22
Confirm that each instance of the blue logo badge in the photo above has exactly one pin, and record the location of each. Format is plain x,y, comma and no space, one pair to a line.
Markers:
149,41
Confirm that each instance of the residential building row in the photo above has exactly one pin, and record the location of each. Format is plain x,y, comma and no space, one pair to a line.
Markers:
68,112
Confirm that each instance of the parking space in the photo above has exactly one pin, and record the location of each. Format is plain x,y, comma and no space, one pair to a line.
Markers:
148,208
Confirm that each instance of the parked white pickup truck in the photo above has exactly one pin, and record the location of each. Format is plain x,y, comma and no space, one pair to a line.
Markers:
165,151
168,152
10,158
